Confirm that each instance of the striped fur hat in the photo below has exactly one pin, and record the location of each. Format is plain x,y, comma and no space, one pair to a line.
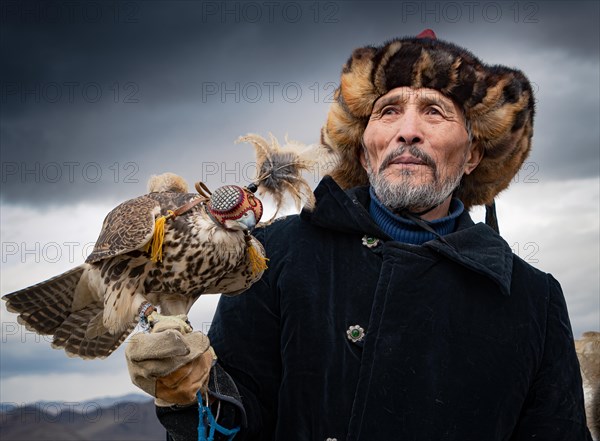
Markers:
497,102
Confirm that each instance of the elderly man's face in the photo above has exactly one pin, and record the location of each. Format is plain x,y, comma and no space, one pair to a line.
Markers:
417,149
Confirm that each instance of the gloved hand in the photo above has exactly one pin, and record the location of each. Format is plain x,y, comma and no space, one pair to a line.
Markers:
171,364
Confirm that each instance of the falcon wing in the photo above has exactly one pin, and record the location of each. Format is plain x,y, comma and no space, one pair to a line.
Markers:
127,227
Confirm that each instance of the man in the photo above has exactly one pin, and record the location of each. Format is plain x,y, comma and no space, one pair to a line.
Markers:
386,313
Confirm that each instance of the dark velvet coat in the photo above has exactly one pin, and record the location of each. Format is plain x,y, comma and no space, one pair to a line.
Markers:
463,339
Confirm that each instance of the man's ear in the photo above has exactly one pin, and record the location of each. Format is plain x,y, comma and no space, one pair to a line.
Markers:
362,156
474,157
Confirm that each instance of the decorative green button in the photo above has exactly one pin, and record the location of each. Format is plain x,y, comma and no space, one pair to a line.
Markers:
355,333
369,241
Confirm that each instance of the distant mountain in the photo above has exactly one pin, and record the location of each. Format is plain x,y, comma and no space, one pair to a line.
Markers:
54,406
129,398
127,418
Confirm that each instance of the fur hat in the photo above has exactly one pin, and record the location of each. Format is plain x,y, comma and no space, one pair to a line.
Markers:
497,102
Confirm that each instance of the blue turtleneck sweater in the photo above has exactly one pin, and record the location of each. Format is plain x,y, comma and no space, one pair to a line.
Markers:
407,231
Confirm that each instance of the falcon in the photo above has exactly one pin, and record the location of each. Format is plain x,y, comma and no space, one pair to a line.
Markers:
160,250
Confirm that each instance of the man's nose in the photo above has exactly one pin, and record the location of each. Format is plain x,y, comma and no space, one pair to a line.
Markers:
409,129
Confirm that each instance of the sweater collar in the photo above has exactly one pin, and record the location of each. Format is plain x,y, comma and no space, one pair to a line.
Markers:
474,246
405,230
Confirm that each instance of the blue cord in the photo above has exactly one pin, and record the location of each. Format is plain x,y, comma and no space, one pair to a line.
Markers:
205,413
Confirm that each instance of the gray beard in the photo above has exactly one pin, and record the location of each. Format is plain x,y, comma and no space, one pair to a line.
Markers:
404,195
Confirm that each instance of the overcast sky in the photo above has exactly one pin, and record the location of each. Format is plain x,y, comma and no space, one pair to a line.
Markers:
95,97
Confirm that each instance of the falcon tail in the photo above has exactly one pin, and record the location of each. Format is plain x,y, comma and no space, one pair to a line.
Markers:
46,308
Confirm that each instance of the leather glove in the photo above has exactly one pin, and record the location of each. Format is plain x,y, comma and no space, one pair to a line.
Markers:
171,364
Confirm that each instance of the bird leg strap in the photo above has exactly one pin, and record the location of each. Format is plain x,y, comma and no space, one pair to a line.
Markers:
149,317
145,310
207,423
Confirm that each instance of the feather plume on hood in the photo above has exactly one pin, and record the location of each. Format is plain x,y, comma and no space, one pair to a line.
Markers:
280,168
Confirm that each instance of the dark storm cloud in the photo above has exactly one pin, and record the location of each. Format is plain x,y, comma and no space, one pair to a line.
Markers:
94,98
571,26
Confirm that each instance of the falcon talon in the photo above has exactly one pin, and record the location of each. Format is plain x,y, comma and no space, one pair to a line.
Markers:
146,309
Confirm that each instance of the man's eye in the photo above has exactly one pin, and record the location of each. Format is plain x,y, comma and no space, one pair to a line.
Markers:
433,111
388,111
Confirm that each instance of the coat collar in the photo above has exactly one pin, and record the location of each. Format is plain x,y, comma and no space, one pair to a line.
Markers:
474,246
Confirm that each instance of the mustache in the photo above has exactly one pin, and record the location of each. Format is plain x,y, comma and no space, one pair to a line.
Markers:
414,151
